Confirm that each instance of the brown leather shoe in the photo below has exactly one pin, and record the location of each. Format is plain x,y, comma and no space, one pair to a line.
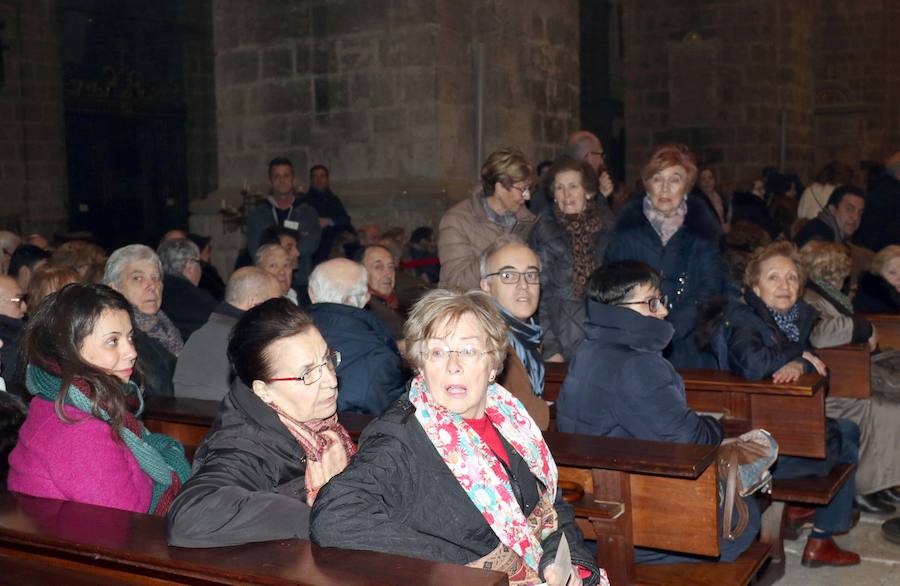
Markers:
795,519
825,552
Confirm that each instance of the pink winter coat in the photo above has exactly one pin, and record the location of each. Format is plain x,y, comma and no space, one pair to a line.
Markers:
78,461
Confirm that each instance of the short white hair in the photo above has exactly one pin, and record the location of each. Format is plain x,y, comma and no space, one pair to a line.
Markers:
326,289
499,244
124,256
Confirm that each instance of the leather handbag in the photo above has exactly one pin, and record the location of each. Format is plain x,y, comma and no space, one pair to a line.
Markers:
743,467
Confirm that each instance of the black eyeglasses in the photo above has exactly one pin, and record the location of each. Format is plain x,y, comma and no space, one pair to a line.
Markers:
314,373
512,277
654,303
600,154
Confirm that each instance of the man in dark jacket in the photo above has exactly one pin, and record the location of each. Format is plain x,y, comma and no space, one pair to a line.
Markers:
370,374
202,371
284,207
882,218
12,310
619,384
839,221
187,305
333,218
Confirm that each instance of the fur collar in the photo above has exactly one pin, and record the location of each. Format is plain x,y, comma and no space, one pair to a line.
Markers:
699,220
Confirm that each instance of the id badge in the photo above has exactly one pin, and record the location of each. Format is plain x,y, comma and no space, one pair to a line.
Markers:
292,225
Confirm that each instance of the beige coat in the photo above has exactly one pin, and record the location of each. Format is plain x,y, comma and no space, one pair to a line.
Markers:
515,379
465,231
835,328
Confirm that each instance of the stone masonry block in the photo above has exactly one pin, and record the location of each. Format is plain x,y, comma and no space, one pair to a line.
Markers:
237,67
277,63
350,17
288,97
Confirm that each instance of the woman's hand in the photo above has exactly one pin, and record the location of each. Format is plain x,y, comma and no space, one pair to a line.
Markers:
789,372
606,184
552,579
873,341
816,362
556,358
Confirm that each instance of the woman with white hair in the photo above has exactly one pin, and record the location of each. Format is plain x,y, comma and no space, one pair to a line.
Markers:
135,271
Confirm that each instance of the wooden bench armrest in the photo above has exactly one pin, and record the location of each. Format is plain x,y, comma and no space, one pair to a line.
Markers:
180,410
888,327
703,379
629,455
849,369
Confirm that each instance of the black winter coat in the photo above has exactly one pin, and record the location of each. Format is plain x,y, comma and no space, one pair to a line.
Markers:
619,384
746,207
561,310
689,264
249,481
880,223
10,368
875,295
398,496
186,305
748,341
371,375
156,365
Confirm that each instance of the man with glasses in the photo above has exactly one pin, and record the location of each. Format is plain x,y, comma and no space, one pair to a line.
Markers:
12,310
186,304
619,384
511,275
371,374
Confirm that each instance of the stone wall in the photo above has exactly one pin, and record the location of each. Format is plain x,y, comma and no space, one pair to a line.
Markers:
32,149
384,93
721,77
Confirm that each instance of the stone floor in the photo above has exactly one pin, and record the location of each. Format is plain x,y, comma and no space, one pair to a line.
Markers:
880,560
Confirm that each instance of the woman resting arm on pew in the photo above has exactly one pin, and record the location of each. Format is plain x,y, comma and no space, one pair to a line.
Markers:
82,440
619,384
768,336
828,265
275,442
458,471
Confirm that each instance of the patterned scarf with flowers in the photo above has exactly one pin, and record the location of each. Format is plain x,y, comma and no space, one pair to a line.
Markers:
480,473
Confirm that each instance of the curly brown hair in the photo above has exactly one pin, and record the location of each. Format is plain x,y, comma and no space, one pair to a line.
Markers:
764,253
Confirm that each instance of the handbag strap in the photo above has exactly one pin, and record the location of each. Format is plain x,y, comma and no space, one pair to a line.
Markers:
731,500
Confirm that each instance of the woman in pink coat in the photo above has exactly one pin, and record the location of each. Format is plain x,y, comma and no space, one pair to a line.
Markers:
82,440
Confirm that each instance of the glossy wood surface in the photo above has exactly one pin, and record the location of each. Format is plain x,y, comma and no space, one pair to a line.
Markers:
741,571
812,490
702,379
85,539
849,370
888,328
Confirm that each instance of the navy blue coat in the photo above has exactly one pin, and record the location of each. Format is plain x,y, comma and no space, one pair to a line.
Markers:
689,263
370,376
748,342
620,385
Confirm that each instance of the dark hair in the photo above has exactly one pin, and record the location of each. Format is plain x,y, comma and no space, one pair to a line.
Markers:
421,233
613,282
836,197
280,161
543,165
589,181
257,330
52,340
273,234
319,166
25,255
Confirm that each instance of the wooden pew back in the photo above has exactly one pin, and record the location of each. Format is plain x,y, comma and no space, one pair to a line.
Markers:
888,327
43,538
849,370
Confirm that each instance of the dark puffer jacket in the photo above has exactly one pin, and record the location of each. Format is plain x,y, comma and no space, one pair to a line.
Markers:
398,496
689,264
249,481
561,310
619,385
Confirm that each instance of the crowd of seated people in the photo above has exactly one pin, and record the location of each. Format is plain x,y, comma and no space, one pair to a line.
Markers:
334,318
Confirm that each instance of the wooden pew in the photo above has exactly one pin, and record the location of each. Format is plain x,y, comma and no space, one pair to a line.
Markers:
849,370
43,539
650,494
888,327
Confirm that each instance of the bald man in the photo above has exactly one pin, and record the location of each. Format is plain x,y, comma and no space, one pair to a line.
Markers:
203,371
370,375
12,310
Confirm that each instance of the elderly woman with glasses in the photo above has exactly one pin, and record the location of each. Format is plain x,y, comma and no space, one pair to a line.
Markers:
678,235
570,238
135,271
276,440
498,208
457,472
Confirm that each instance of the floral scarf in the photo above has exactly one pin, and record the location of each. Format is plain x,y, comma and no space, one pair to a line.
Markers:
665,226
581,229
327,446
159,327
479,472
787,322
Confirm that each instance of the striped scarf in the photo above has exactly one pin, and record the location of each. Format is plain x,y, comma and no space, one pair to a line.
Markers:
159,456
